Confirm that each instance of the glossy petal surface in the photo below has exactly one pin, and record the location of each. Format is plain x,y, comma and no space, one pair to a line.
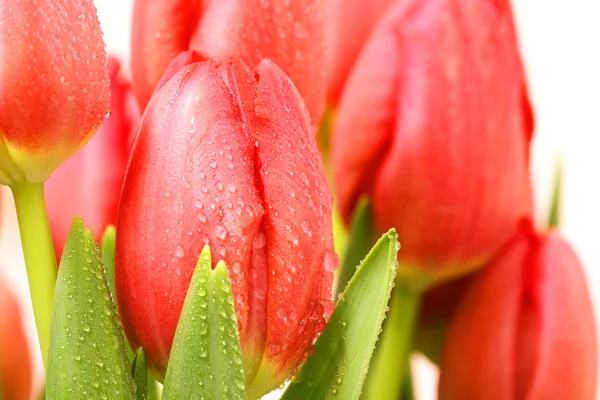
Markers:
226,157
54,90
89,183
435,125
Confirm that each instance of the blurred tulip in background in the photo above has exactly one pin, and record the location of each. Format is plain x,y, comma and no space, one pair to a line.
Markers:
434,124
16,372
525,328
290,33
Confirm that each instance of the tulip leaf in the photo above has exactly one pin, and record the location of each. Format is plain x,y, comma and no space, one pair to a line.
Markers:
342,354
108,254
362,237
205,360
87,356
554,215
139,371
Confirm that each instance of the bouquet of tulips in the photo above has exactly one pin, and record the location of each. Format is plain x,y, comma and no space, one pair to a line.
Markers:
181,235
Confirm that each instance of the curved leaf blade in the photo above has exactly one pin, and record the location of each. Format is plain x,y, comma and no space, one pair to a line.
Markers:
87,356
206,361
342,354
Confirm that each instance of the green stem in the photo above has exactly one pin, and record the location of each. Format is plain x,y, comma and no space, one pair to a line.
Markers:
38,250
388,367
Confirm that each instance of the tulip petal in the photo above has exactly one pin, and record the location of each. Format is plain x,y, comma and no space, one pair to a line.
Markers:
89,183
16,373
441,142
566,365
480,348
160,31
190,182
348,26
297,224
54,90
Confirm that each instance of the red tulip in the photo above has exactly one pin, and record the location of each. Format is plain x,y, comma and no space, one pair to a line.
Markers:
54,90
89,183
434,125
226,157
349,23
525,329
16,372
291,33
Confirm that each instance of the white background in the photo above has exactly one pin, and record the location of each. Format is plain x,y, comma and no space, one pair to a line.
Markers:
560,42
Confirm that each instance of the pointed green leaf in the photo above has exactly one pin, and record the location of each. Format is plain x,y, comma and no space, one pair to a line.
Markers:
87,357
362,237
108,254
139,371
343,351
205,361
554,217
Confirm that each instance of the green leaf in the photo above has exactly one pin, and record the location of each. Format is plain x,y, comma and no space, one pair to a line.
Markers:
362,237
139,371
205,361
554,217
343,351
87,357
108,254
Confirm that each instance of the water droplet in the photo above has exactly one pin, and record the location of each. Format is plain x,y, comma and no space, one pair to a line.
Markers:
220,232
167,193
236,267
332,261
259,240
180,253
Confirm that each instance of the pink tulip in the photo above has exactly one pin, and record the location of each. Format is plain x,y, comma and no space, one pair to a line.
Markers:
89,183
435,125
226,157
290,33
525,329
54,90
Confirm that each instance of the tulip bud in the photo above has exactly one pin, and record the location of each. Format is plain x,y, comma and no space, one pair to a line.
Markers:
226,157
290,33
54,90
525,329
436,128
348,26
16,373
89,183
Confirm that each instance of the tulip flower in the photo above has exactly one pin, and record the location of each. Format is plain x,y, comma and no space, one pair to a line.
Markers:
16,372
89,183
349,23
435,125
525,329
290,33
226,157
54,91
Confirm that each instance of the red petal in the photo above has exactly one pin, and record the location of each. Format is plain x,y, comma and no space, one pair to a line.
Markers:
190,182
297,223
89,183
441,144
290,33
348,26
16,371
54,90
480,354
566,366
161,30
